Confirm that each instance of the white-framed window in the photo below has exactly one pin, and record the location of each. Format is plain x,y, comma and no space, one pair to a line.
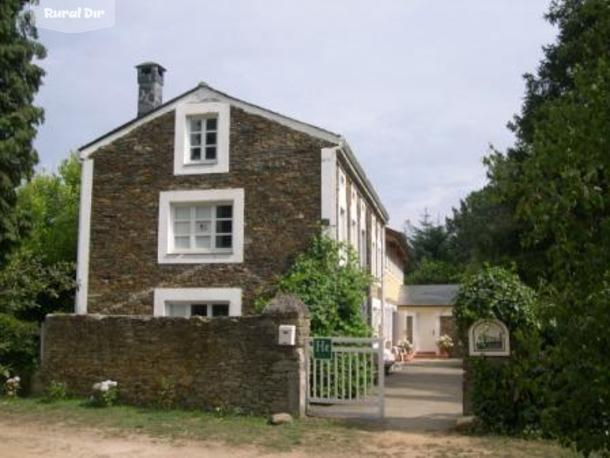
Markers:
201,226
196,308
342,196
205,302
201,138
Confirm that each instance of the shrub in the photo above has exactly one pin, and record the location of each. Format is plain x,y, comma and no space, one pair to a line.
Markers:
329,279
18,344
508,395
12,386
495,292
56,391
105,393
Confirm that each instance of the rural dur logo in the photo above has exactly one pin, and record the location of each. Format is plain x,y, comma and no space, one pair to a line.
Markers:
74,16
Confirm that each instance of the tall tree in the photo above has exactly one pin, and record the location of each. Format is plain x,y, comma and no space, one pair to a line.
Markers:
556,179
20,79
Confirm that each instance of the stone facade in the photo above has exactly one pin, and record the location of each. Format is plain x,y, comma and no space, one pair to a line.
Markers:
279,169
227,362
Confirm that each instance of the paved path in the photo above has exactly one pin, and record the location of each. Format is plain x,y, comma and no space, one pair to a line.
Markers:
424,395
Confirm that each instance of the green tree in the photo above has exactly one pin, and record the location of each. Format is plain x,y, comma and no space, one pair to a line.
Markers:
50,201
556,179
431,257
20,79
329,279
38,276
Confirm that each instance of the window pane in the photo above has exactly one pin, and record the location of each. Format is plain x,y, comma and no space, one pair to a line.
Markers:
182,228
202,241
203,212
196,154
195,139
210,138
210,152
220,310
224,211
199,310
202,227
224,241
177,310
182,242
224,227
195,125
183,213
211,124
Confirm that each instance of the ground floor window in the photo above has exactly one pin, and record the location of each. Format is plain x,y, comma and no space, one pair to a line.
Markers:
188,310
206,302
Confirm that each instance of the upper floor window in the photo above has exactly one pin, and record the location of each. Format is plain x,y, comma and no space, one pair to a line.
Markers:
201,226
201,140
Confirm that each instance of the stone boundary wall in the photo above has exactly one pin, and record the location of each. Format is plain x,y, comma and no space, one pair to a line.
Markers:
228,362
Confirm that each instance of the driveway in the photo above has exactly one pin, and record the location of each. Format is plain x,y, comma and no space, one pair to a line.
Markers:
424,395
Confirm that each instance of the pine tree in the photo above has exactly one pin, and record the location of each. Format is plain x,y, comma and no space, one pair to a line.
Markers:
20,79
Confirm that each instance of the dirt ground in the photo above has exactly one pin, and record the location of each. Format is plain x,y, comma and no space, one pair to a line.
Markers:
28,440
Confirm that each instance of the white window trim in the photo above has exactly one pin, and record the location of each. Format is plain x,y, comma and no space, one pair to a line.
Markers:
167,198
182,161
164,296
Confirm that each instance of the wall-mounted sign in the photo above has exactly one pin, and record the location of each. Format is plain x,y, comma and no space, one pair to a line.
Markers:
322,348
489,337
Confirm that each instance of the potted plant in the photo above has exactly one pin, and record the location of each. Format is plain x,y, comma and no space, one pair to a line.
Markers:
444,344
406,350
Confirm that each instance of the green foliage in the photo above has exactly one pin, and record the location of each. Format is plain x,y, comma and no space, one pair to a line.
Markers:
167,395
556,180
329,279
508,395
18,345
434,272
26,283
55,391
495,292
432,259
50,202
20,79
38,276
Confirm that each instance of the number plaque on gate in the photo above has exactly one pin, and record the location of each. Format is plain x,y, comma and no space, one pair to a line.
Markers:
322,348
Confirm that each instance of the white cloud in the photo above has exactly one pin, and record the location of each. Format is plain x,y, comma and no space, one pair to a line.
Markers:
418,87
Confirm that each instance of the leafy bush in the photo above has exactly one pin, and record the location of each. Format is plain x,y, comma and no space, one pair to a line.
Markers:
18,345
329,279
105,394
508,394
56,391
495,292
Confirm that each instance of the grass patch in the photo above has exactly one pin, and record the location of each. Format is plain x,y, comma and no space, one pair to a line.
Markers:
314,436
180,424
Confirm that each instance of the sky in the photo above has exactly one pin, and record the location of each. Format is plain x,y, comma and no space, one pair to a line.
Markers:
419,88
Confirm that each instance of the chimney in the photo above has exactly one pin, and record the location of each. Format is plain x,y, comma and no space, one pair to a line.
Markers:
150,87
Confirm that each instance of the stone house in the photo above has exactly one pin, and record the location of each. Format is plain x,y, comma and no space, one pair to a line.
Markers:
194,206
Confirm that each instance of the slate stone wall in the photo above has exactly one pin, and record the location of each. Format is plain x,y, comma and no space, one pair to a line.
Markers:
280,171
227,362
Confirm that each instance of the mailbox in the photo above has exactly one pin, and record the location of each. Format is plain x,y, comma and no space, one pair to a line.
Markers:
288,334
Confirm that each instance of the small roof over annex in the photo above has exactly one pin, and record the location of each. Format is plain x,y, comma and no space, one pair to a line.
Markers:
428,295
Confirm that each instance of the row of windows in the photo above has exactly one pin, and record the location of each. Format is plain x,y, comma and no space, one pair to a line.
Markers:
357,235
